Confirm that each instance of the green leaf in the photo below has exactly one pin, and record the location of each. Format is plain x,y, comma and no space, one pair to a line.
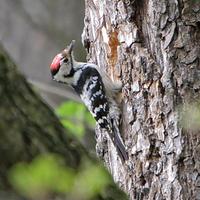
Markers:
75,129
44,174
75,118
91,180
89,119
71,109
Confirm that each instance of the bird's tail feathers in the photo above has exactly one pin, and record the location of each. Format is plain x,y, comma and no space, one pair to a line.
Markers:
119,144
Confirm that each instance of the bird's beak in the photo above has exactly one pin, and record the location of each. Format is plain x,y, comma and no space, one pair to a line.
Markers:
71,46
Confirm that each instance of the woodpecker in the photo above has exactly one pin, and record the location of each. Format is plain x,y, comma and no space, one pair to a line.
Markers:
96,90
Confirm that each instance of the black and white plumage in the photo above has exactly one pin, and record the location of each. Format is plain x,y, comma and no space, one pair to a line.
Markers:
96,91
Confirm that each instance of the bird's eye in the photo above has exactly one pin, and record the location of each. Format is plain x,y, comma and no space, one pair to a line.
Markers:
65,60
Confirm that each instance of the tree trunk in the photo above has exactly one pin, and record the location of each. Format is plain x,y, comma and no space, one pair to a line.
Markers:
153,47
28,128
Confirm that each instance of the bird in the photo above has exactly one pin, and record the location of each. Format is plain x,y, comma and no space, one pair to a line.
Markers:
96,89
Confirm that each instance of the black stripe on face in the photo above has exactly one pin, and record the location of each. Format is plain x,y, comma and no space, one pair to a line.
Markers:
71,73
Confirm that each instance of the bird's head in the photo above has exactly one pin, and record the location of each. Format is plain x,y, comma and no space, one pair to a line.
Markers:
62,64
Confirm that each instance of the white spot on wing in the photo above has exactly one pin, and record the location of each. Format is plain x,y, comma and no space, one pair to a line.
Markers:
100,121
98,109
89,98
97,93
95,78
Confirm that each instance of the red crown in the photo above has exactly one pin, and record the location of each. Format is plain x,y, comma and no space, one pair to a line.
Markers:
56,62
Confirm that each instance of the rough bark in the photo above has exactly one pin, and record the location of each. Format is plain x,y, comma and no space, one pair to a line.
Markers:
153,47
28,127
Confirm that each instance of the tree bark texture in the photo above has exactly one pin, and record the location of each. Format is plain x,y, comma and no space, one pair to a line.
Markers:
153,47
28,127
